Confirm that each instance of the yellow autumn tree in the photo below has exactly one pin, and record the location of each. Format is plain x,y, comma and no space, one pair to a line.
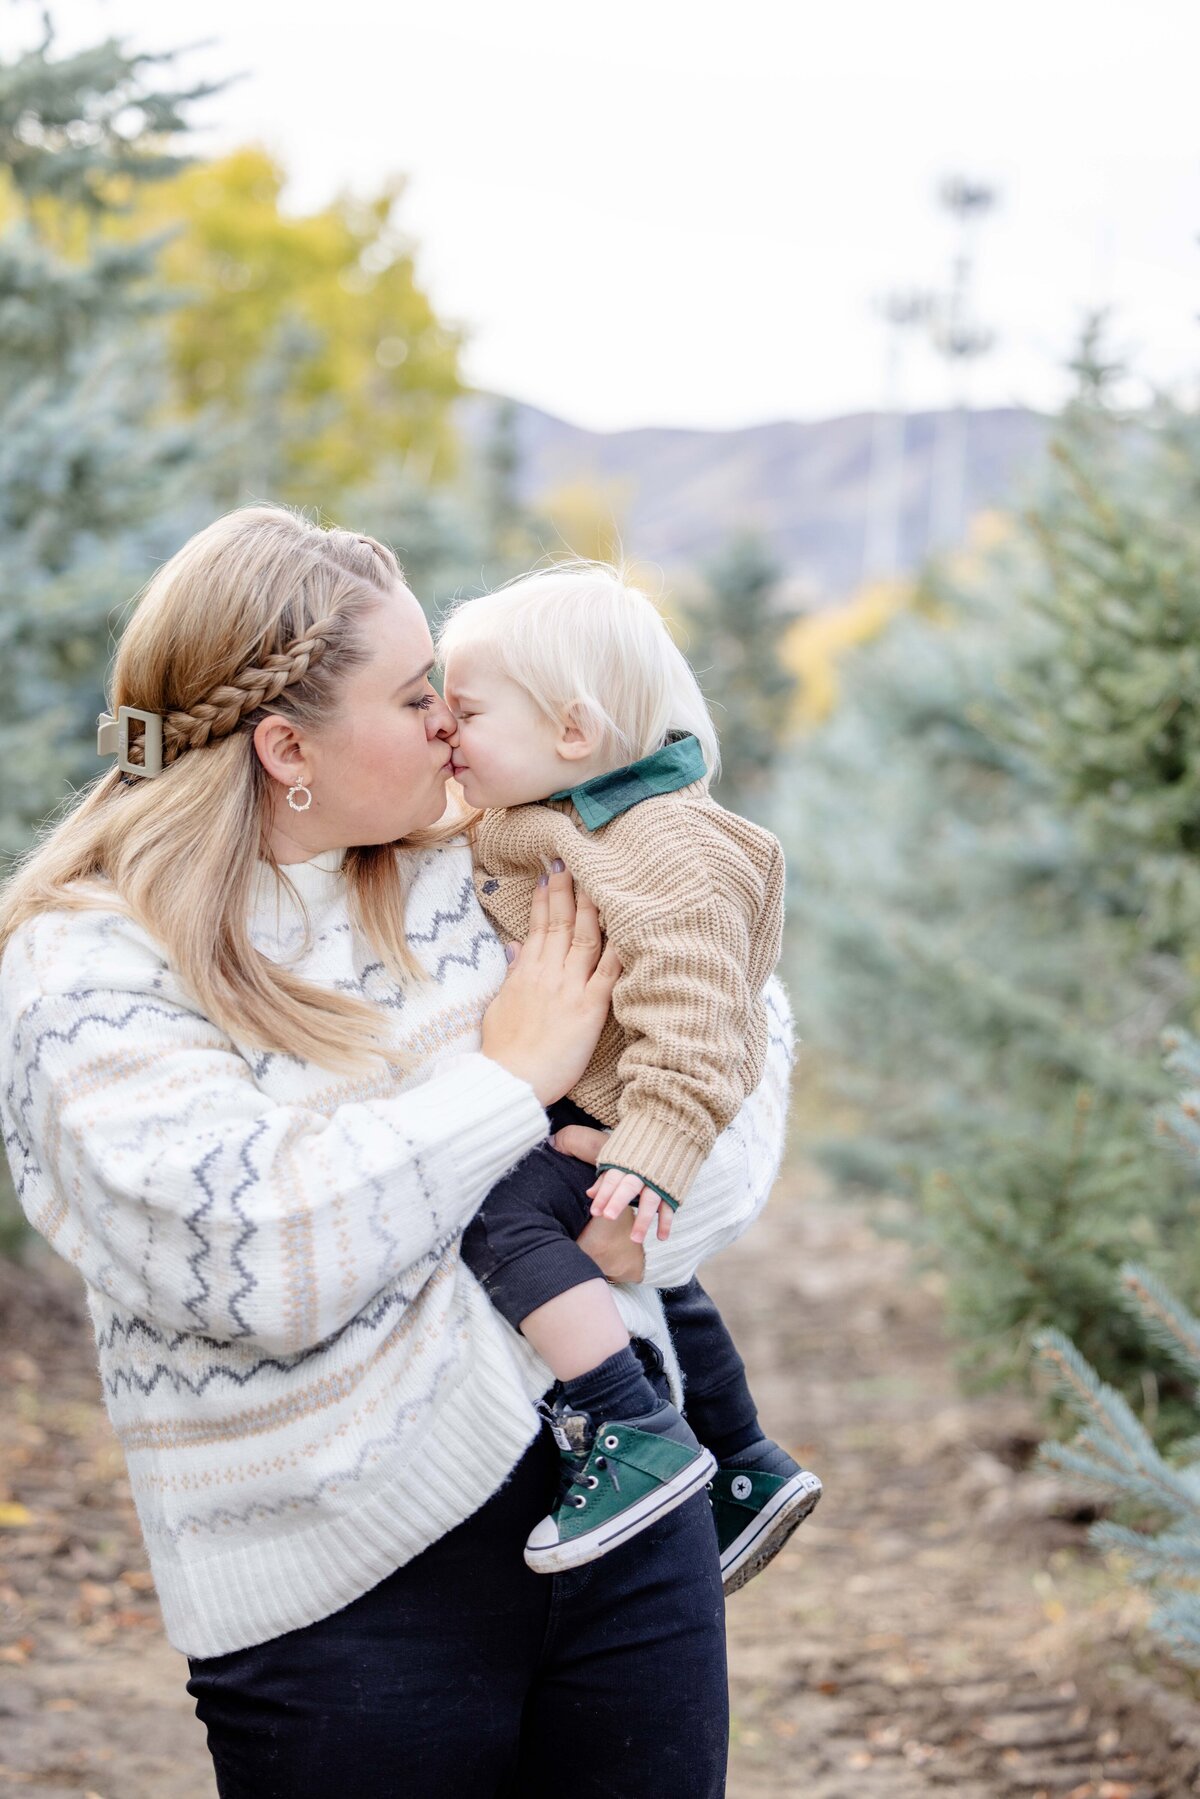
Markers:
312,327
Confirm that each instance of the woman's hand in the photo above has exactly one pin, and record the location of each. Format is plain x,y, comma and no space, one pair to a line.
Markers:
546,1019
611,1246
608,1241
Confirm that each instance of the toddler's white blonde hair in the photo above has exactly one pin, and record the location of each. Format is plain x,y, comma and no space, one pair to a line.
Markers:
578,637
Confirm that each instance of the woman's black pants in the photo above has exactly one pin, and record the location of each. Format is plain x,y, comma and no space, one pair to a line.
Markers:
465,1674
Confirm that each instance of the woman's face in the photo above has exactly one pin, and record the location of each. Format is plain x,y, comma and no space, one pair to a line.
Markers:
379,768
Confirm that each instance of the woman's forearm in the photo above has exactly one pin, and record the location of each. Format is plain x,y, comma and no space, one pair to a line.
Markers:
143,1150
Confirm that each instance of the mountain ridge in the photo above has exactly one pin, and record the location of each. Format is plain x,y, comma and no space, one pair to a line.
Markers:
680,492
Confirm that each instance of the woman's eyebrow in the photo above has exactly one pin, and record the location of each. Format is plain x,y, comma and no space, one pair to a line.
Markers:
413,679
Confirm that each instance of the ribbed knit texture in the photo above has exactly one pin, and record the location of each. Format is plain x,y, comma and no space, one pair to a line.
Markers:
692,897
308,1385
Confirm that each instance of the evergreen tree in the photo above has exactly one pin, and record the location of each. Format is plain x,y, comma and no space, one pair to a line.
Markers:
87,464
1115,1452
734,633
969,945
1113,713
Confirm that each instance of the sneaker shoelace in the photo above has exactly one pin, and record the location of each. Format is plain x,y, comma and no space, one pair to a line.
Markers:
573,1457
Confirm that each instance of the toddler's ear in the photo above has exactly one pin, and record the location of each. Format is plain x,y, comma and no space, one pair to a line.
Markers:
574,738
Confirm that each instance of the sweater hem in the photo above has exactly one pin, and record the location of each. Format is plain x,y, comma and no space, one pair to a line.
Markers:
254,1592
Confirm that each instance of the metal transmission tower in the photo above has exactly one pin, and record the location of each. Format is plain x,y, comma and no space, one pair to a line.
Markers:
902,310
961,341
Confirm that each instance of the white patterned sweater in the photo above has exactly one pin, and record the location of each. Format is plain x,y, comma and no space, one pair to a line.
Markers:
308,1385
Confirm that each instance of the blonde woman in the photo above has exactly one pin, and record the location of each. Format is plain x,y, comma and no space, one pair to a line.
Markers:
260,1061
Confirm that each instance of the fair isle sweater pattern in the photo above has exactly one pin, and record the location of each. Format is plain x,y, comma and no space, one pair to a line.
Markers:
308,1386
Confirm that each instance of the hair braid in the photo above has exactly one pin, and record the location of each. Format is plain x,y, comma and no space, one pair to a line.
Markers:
224,707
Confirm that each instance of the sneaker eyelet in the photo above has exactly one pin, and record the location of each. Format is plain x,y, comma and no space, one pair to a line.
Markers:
611,1442
592,1481
578,1501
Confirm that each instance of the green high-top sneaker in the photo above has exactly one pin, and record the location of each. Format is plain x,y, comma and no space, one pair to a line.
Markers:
756,1511
618,1479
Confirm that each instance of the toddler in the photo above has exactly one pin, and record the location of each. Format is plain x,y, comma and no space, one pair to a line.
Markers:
584,738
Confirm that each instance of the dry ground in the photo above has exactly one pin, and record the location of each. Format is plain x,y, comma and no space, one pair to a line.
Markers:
937,1627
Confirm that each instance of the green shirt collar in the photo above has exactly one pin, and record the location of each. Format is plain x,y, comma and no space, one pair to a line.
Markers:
675,765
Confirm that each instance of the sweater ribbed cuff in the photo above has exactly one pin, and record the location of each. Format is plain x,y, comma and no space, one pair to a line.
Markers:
500,1121
657,1152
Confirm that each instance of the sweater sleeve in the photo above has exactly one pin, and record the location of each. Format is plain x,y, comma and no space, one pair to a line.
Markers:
737,1176
142,1149
684,1003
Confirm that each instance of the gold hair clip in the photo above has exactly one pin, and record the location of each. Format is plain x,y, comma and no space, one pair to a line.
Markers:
113,734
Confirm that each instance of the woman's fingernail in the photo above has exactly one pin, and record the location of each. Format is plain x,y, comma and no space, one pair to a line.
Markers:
543,880
510,952
558,866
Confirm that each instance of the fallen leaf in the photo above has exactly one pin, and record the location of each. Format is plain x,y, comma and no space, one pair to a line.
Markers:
18,1652
14,1516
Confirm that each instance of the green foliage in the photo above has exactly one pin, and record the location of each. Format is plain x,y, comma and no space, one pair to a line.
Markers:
363,371
734,634
979,941
1113,716
87,462
1116,1454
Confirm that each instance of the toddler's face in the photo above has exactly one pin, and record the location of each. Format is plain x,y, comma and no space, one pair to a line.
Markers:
504,748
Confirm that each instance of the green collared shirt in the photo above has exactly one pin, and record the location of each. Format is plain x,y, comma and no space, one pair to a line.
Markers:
675,765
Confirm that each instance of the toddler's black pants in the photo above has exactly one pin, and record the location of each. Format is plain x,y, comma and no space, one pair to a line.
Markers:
521,1245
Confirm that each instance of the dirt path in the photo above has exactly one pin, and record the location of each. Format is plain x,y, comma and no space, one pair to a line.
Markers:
935,1628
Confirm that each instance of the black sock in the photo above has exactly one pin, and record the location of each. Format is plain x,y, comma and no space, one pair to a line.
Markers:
765,1457
725,1445
618,1388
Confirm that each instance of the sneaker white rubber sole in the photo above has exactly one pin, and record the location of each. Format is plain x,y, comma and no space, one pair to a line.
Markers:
767,1533
558,1558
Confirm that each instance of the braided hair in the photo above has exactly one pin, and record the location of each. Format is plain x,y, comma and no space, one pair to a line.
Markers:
261,611
288,652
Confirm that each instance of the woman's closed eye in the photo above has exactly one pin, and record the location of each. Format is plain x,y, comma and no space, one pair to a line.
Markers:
424,703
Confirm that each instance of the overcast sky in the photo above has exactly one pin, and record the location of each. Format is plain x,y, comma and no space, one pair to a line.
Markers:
680,211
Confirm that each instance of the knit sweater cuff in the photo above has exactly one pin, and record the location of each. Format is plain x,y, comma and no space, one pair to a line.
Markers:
657,1152
501,1120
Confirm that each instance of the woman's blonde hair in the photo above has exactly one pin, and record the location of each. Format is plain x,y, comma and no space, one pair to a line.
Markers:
578,637
262,612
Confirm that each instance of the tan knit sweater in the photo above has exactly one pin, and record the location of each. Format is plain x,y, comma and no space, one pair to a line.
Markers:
692,897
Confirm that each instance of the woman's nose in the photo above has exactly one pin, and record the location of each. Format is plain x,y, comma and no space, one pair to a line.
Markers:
443,722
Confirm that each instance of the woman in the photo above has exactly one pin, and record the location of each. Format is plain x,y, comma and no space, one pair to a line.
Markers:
261,1063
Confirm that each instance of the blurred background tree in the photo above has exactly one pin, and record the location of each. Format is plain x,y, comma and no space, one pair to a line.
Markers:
981,940
90,457
365,373
734,631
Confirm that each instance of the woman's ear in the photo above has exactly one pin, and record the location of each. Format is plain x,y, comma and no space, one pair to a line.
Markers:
280,750
575,740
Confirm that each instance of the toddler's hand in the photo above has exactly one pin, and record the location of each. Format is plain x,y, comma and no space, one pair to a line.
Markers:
614,1190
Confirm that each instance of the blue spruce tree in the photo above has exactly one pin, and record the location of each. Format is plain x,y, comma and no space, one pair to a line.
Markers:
1115,1453
982,950
88,466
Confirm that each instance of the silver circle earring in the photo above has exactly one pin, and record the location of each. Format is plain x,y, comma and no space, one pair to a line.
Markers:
296,805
